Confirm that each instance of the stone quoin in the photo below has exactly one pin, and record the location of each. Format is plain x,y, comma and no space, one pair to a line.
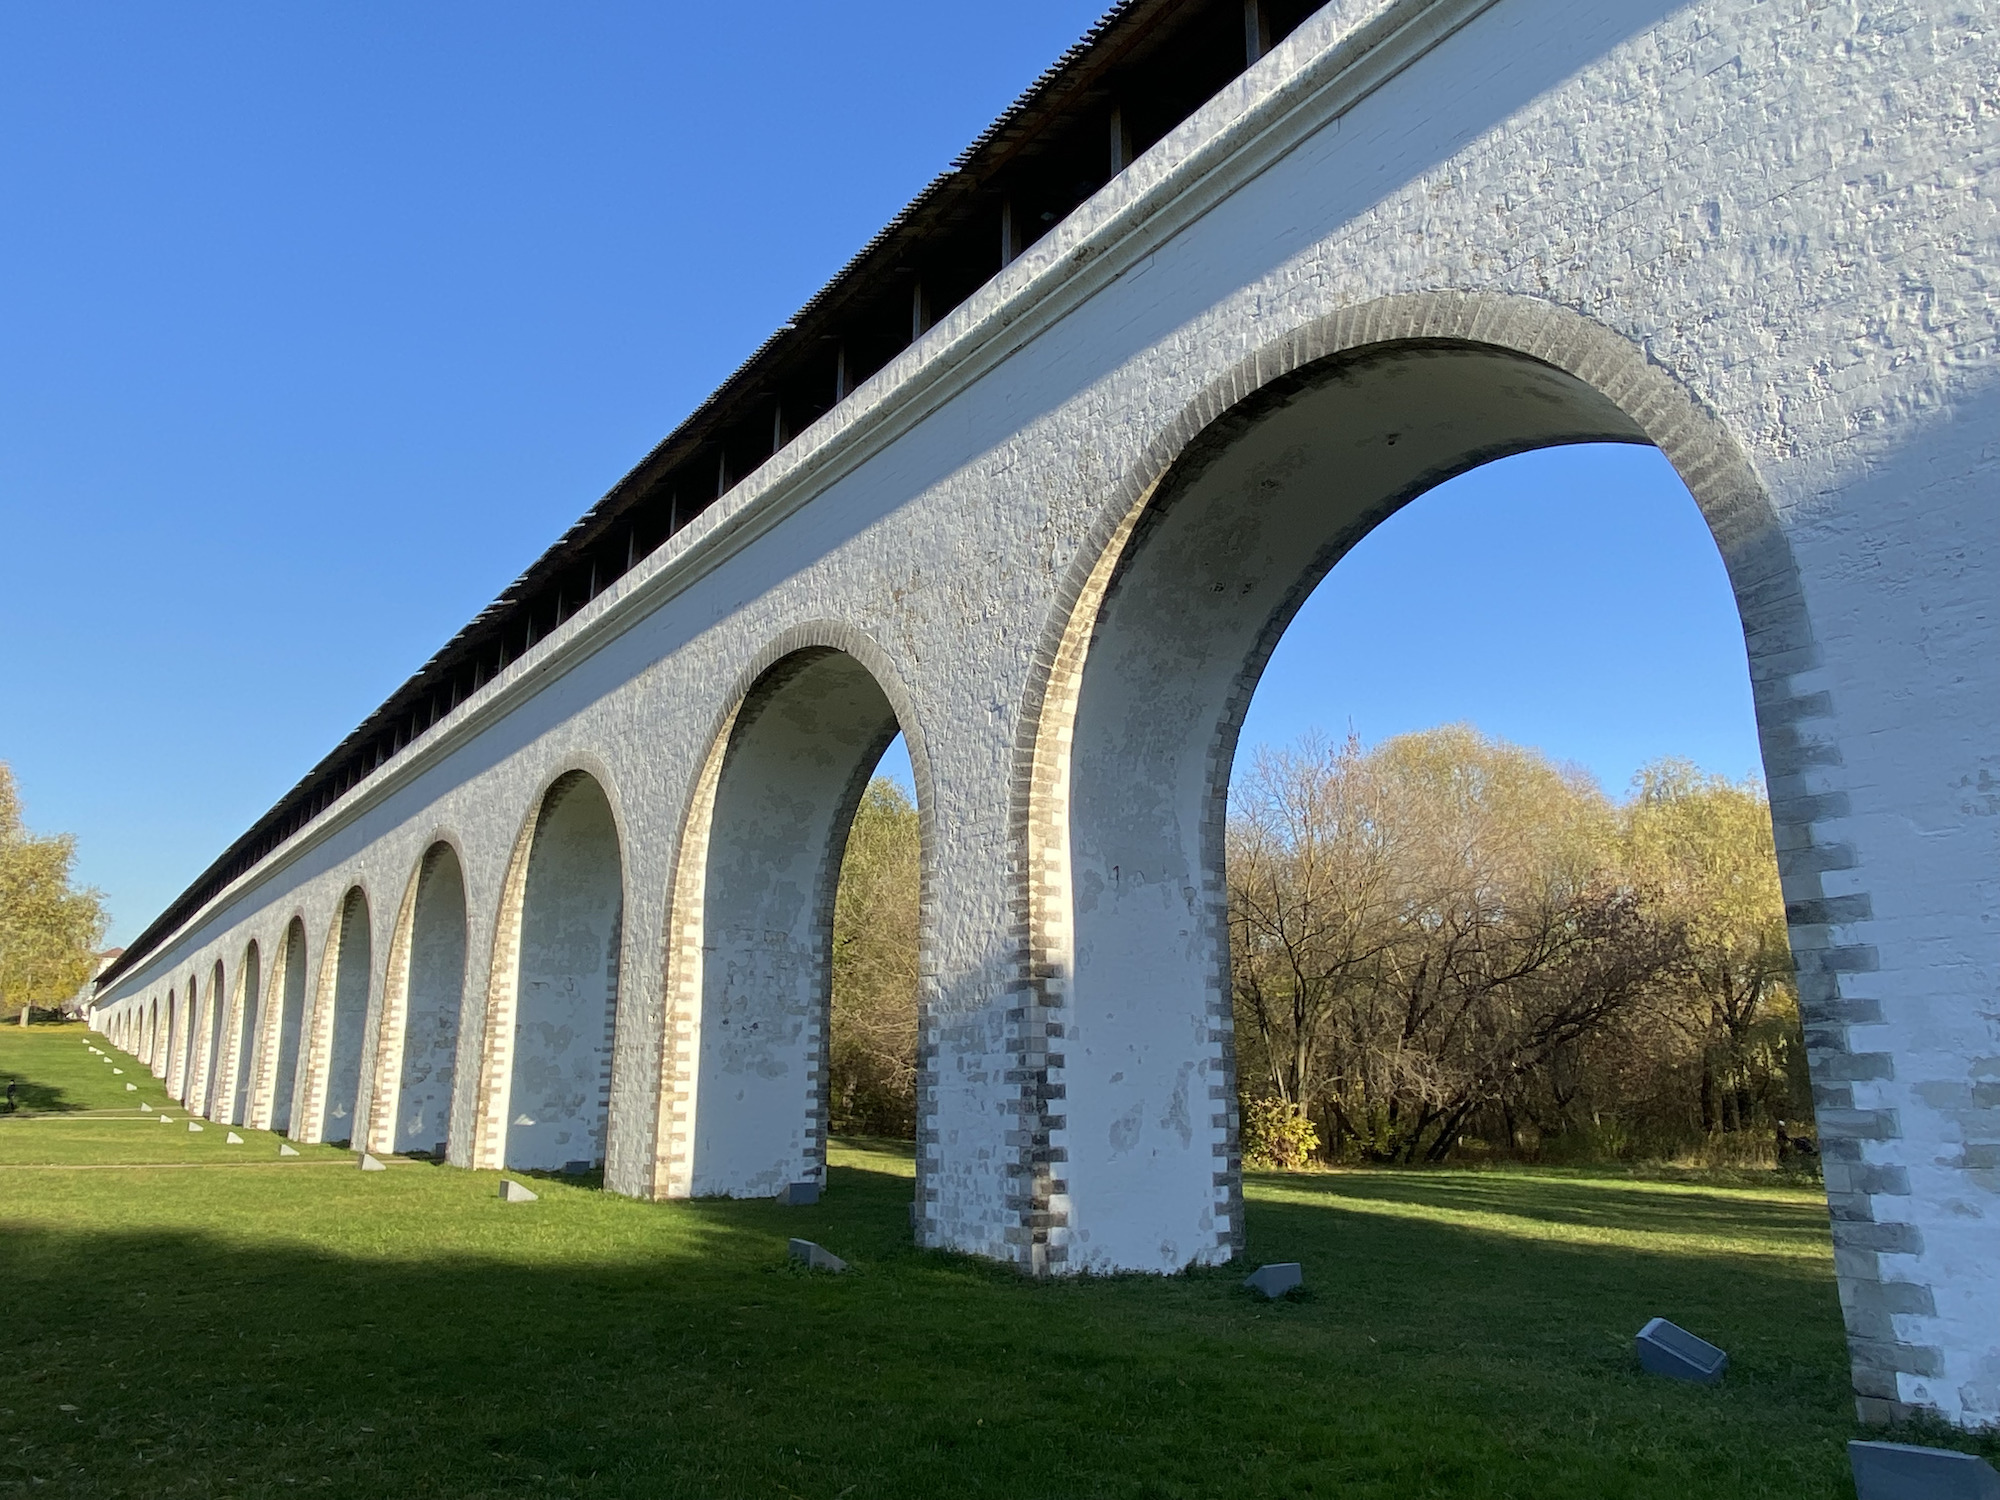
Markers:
1038,482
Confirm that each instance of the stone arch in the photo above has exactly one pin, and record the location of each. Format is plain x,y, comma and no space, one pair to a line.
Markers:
330,1092
214,1034
244,1007
545,1070
181,1066
748,972
1130,727
154,1050
423,994
280,1026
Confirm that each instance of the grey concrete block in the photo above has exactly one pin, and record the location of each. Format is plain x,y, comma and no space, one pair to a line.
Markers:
1667,1349
815,1257
799,1194
166,1119
371,1164
514,1192
284,1150
133,1088
1904,1471
233,1139
146,1107
194,1127
118,1070
1276,1279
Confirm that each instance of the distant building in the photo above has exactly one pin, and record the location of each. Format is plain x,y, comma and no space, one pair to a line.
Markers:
77,1007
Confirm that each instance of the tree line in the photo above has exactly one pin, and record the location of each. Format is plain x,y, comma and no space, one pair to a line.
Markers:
1449,944
1444,946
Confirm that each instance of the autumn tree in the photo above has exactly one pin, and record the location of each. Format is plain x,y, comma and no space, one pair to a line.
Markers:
1704,844
49,930
872,1073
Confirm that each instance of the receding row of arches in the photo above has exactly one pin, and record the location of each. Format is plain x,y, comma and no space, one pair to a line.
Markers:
1110,1063
339,1057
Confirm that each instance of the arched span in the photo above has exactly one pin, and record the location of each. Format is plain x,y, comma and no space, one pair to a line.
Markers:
423,991
749,951
871,704
1195,569
215,1036
332,1084
242,1046
182,1061
545,1077
274,1090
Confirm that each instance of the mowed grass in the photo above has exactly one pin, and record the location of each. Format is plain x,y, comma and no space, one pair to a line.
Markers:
186,1317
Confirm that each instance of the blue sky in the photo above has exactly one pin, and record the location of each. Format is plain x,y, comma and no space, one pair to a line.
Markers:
317,323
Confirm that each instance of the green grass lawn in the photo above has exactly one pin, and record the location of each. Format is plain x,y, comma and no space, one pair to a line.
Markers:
187,1317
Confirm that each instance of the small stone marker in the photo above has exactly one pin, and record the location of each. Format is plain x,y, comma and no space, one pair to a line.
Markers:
146,1107
1276,1279
1904,1471
166,1119
284,1150
370,1164
799,1194
193,1128
1666,1349
815,1257
513,1192
133,1088
118,1070
233,1139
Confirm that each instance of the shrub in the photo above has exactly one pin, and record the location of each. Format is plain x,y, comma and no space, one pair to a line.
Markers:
1276,1135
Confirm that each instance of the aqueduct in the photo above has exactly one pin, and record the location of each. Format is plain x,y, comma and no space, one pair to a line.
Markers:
1038,481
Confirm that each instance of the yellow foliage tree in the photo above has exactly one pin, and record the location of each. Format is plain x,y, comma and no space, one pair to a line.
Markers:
49,931
1703,844
872,1076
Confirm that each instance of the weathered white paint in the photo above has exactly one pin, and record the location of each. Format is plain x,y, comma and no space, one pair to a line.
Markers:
282,1023
1756,234
329,1085
797,758
233,1089
417,1046
548,1088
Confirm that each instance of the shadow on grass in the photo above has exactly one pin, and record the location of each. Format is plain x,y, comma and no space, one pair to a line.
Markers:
1782,1217
434,1341
32,1098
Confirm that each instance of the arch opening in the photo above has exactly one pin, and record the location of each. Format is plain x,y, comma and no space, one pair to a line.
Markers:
353,965
215,1034
558,1074
433,983
186,1021
752,972
250,990
1163,654
288,1026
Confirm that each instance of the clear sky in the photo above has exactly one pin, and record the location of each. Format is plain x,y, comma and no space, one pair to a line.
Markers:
318,323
